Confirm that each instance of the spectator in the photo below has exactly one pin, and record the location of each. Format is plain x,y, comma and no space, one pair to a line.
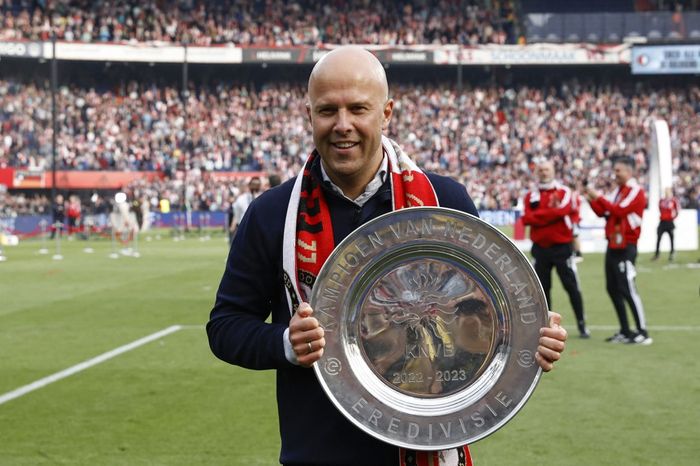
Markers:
273,180
240,206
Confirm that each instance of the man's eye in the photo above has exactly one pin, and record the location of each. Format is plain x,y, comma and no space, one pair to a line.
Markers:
326,111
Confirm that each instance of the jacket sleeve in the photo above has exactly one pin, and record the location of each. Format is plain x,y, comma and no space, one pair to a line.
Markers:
597,206
545,215
528,217
632,202
237,329
548,215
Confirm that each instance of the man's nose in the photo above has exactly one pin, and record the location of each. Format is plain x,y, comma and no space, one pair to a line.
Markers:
343,122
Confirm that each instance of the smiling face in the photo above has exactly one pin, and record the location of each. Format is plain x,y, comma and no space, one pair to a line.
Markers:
348,109
623,172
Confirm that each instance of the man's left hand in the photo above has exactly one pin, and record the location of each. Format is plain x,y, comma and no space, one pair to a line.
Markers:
552,343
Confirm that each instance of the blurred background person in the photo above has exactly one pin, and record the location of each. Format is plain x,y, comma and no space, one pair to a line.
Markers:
244,199
58,214
623,209
548,211
74,214
274,180
231,218
668,211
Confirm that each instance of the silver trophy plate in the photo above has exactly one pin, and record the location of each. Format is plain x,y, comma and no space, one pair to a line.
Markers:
431,320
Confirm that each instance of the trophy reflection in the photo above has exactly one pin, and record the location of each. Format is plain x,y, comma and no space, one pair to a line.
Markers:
427,328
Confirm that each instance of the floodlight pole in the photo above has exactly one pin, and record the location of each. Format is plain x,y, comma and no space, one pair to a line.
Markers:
185,153
54,125
459,110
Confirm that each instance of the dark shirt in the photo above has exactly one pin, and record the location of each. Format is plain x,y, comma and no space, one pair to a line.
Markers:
312,430
58,212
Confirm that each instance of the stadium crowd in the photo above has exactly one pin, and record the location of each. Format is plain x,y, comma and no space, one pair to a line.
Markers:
23,204
498,131
261,23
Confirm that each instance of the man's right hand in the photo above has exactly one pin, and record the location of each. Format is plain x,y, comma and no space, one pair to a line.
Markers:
306,336
592,193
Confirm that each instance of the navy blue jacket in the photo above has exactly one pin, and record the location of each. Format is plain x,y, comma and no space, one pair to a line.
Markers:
313,431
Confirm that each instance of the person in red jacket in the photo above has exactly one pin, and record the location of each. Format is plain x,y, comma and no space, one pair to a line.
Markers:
73,213
548,211
623,210
668,210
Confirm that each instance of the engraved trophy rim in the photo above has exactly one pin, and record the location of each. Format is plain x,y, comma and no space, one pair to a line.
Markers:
371,258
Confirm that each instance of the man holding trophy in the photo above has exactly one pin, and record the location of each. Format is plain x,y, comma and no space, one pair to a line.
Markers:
353,176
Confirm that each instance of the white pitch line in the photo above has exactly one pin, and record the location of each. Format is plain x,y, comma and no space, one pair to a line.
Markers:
653,328
193,327
86,364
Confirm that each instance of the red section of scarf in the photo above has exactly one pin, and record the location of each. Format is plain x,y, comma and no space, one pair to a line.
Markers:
314,241
412,189
432,458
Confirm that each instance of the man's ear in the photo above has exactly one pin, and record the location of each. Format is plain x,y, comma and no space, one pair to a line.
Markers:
388,111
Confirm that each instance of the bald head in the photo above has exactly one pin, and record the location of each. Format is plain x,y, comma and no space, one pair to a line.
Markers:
353,62
348,109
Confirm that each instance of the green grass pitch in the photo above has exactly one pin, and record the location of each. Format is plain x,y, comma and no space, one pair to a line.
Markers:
170,402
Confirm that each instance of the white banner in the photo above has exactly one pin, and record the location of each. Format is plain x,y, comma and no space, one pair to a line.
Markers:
219,54
149,53
535,54
20,49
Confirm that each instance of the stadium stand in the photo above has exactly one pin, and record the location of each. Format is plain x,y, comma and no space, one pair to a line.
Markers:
498,130
271,23
23,204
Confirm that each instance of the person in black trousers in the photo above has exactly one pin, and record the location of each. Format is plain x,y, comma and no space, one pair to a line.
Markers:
58,215
623,210
668,211
549,209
